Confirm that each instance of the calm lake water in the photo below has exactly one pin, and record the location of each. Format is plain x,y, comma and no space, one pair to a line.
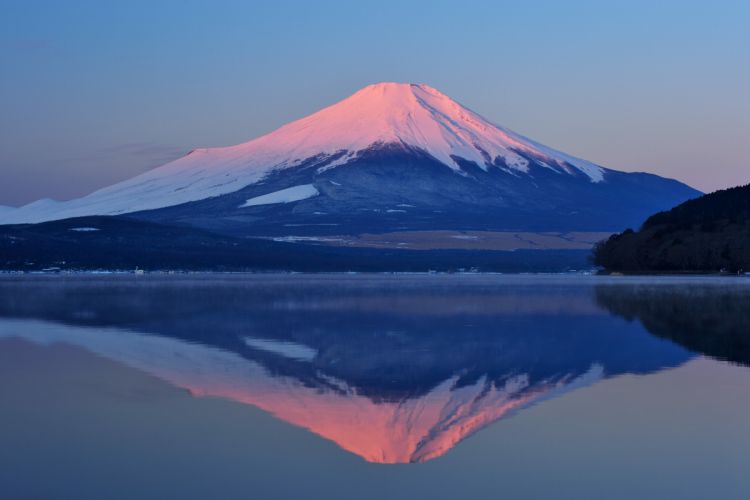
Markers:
374,386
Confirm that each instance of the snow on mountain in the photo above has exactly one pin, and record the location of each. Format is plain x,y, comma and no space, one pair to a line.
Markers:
414,115
288,195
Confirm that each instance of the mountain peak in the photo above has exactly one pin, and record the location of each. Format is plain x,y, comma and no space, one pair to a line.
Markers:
393,90
416,115
394,86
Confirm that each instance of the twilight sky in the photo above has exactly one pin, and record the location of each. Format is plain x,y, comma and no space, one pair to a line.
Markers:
93,92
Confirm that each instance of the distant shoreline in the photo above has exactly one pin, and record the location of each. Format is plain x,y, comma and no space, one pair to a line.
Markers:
593,276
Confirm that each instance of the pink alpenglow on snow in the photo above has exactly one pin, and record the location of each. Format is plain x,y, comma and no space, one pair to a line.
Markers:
410,430
414,115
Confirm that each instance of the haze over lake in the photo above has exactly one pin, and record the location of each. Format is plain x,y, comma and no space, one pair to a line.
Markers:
373,386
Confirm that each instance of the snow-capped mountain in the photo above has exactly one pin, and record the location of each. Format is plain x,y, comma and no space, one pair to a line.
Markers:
391,156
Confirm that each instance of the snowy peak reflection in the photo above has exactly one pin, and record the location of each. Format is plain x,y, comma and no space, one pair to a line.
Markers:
391,371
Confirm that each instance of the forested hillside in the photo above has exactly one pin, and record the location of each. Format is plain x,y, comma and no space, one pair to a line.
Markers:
710,233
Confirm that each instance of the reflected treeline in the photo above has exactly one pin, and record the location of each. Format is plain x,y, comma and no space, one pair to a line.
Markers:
710,320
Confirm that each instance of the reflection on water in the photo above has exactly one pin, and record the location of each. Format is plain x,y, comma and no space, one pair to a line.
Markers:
393,369
714,320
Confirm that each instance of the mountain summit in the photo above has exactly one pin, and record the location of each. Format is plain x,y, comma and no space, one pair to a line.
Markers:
400,113
391,157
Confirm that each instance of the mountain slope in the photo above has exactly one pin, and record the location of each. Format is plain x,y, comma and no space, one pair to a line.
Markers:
390,157
107,242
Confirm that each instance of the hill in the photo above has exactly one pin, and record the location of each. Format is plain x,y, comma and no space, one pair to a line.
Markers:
707,234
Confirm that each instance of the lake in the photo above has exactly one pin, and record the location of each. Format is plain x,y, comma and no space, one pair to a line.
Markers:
374,386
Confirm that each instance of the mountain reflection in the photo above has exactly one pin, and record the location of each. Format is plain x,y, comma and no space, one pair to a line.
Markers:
392,369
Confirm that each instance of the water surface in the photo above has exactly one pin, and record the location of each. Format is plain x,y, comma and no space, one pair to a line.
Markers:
372,386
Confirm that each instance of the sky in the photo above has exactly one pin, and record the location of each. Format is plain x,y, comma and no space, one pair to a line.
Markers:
94,92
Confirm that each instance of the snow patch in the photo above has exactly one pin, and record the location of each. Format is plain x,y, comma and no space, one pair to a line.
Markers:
83,229
288,195
289,350
312,224
296,239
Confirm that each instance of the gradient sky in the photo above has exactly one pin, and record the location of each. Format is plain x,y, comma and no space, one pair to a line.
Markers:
93,92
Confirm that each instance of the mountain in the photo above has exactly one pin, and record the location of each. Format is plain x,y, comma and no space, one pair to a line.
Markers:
390,158
706,234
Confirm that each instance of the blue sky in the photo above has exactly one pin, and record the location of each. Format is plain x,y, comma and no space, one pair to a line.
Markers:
93,92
